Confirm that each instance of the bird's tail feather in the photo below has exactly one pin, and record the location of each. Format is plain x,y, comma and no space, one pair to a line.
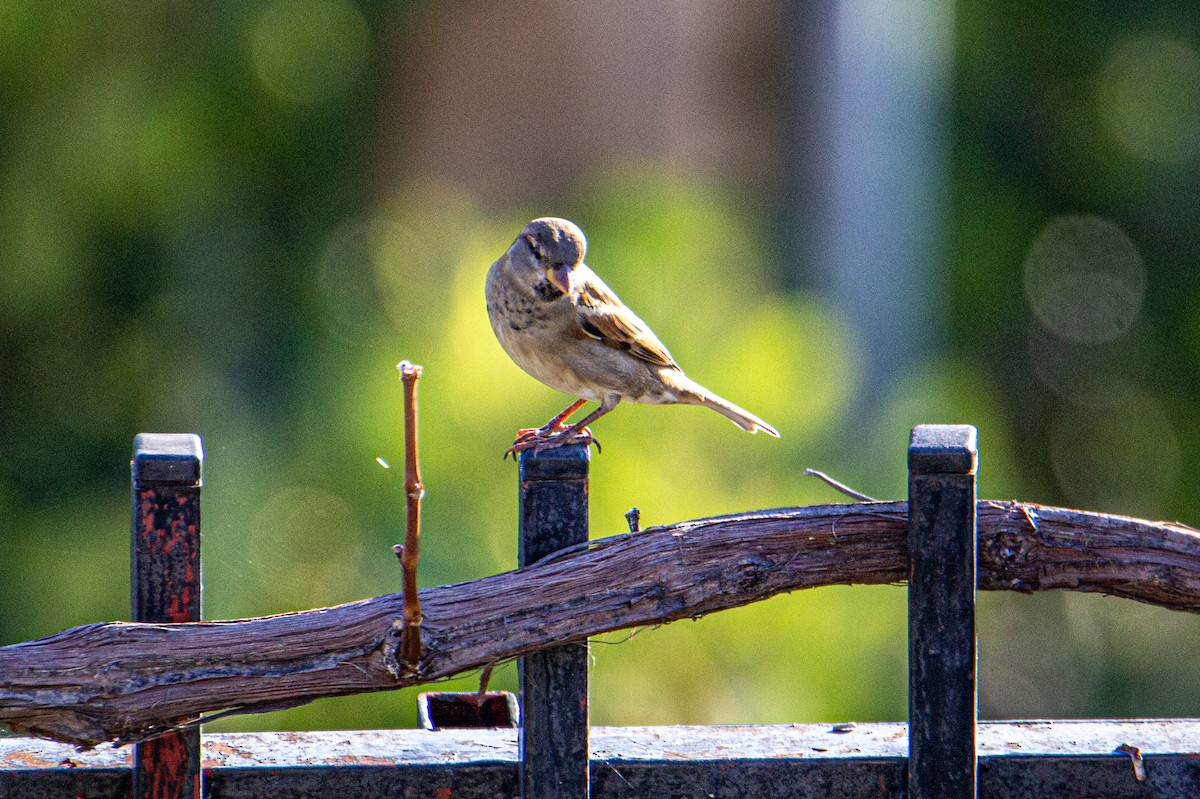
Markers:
739,416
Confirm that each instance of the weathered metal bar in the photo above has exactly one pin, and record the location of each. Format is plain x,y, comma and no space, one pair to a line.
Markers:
554,682
1017,760
167,472
942,699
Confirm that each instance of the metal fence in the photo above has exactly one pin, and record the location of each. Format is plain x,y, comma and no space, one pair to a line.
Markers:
942,752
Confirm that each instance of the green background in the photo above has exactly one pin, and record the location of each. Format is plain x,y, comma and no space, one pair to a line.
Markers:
194,237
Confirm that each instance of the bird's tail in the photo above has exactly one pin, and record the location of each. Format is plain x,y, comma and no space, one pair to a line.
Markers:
739,416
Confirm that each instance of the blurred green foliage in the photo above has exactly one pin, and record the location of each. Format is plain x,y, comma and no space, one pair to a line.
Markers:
192,239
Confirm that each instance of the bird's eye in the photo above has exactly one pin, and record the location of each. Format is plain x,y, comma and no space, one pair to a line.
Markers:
533,248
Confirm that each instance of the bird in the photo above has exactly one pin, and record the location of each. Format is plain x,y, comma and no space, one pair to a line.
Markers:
562,325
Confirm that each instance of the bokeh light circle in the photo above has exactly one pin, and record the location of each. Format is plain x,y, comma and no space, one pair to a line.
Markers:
347,286
1087,373
1149,97
1084,279
309,50
307,546
1120,459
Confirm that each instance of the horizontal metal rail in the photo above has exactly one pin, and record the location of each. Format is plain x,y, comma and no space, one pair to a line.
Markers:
1017,760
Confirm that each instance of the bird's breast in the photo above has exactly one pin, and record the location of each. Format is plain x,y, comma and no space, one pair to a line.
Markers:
531,331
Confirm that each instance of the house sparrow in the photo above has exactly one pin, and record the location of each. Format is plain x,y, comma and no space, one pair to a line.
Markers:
559,322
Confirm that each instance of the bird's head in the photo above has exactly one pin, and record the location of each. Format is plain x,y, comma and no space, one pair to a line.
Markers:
546,252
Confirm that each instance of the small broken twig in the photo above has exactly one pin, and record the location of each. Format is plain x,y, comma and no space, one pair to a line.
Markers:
634,517
1135,755
845,489
409,553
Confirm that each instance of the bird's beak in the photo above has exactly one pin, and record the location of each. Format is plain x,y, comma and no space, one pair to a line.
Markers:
560,278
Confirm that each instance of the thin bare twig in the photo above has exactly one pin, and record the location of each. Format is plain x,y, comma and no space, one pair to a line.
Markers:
485,677
410,552
845,489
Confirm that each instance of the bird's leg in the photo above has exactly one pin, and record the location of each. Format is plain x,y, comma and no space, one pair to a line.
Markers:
551,427
554,425
580,428
577,433
527,437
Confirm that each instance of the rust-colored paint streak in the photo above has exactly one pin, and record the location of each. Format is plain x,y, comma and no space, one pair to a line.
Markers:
167,541
443,793
146,511
23,759
359,760
165,764
216,752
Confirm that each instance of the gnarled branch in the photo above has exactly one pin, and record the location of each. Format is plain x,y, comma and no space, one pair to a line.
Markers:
124,681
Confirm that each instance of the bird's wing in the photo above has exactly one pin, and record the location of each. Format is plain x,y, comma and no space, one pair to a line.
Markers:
604,317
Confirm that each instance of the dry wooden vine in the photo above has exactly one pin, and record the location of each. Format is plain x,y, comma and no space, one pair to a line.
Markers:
124,681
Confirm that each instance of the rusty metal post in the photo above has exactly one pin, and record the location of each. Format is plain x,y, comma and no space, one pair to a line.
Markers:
554,747
942,698
166,587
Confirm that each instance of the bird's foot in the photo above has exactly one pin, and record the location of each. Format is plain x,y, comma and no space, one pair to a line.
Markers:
540,438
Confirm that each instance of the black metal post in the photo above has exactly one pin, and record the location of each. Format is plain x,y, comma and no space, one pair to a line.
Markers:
166,587
554,748
942,699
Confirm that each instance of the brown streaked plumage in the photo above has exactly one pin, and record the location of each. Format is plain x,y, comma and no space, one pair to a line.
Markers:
560,323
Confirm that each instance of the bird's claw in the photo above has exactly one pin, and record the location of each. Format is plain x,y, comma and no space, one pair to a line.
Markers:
540,438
